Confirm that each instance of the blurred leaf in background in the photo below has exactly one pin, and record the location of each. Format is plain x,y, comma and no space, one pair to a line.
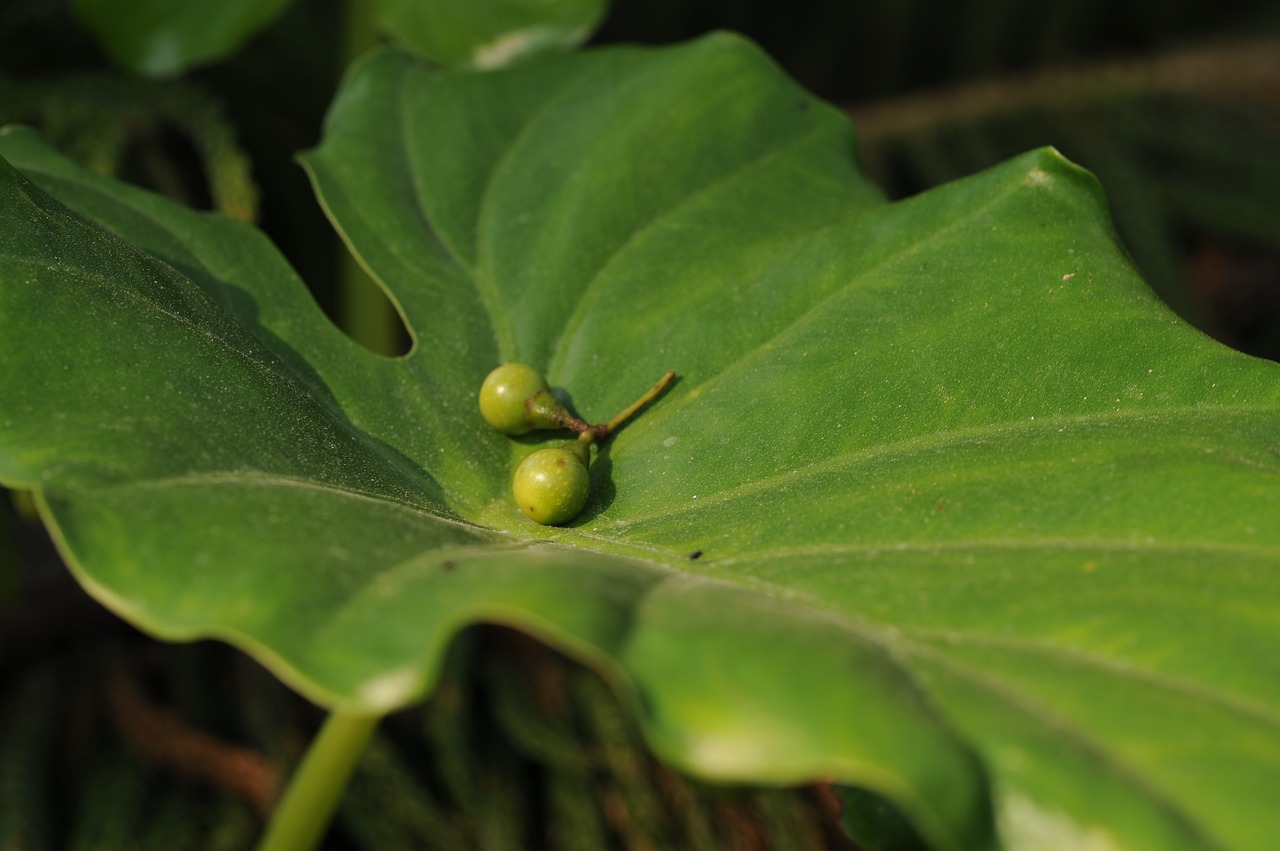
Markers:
489,33
161,38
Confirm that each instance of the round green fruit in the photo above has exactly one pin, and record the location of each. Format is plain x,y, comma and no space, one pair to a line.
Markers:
551,485
515,399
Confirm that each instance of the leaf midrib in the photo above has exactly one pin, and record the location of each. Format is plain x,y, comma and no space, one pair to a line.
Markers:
438,234
746,360
589,292
503,331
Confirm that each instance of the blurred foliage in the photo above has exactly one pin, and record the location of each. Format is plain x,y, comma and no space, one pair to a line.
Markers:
489,33
139,745
222,138
151,132
1175,105
167,37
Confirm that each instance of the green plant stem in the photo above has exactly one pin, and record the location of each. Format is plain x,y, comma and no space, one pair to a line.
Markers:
605,429
312,796
588,434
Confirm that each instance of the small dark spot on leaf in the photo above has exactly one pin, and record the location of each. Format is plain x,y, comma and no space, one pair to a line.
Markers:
695,555
448,565
804,106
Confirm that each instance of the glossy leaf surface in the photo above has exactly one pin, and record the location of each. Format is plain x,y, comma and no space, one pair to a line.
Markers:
945,503
166,37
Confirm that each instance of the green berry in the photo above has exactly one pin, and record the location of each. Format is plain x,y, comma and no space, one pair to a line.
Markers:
551,485
515,399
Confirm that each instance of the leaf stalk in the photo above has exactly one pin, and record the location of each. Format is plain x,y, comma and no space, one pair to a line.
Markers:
311,798
603,430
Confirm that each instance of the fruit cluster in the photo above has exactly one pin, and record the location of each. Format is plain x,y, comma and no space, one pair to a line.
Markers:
551,485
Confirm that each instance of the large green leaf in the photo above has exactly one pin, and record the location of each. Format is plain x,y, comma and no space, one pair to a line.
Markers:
163,37
982,526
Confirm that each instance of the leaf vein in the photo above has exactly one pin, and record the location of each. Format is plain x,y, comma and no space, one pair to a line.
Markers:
658,417
590,289
1088,744
1074,656
1002,545
243,478
942,439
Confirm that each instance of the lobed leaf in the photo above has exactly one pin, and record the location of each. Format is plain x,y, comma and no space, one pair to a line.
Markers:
944,504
